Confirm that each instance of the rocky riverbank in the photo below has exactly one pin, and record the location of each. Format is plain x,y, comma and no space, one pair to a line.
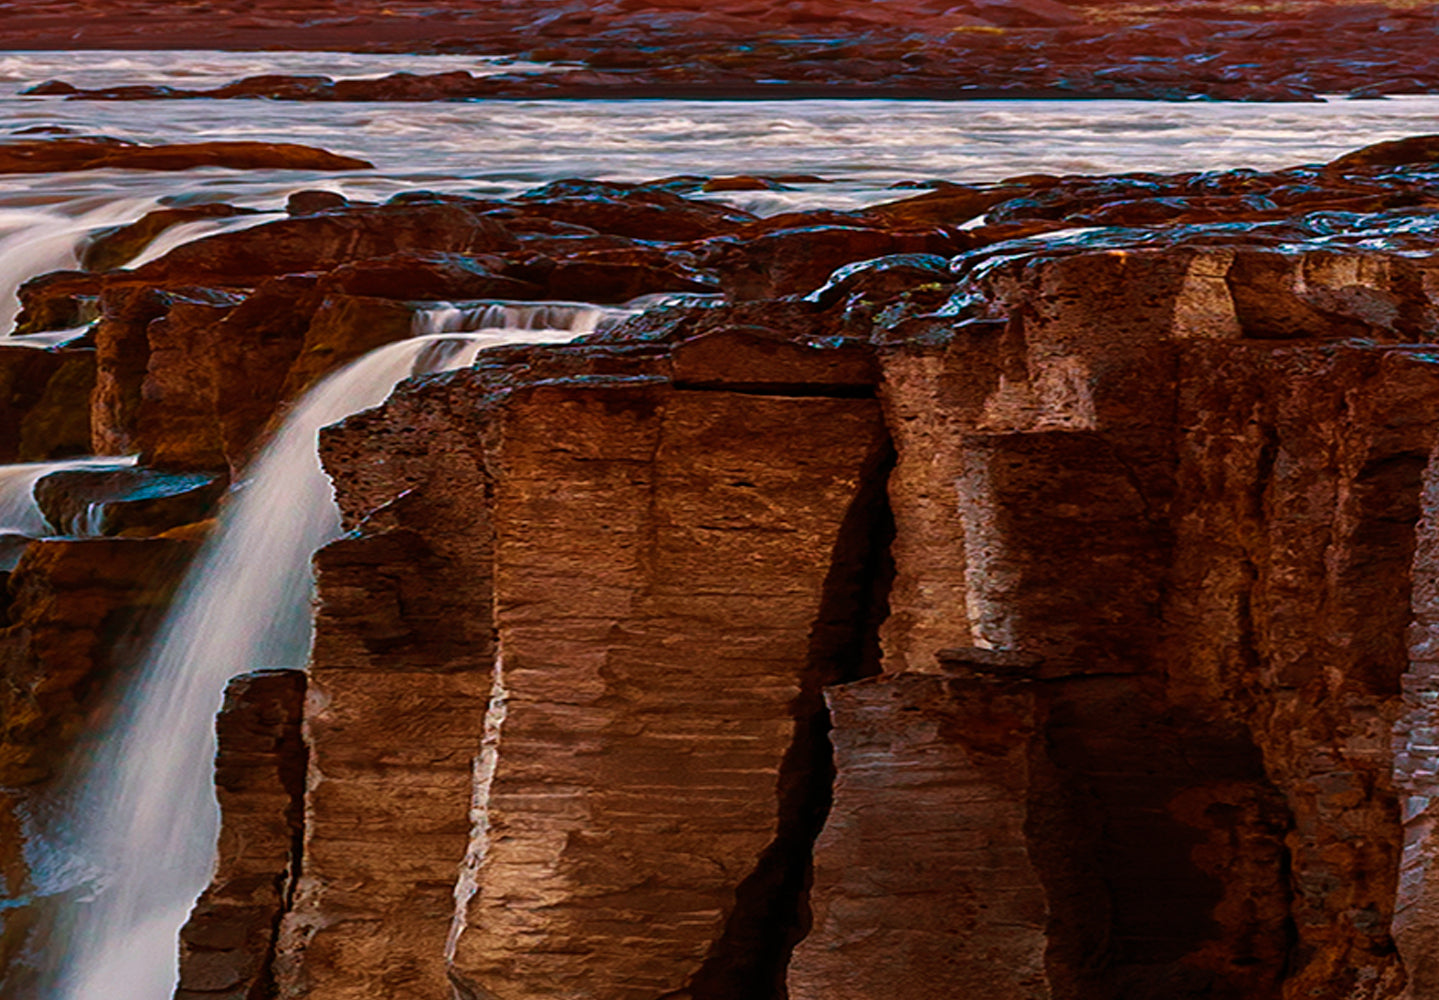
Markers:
939,49
1020,588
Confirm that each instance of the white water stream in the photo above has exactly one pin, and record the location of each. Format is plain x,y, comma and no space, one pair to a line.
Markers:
143,823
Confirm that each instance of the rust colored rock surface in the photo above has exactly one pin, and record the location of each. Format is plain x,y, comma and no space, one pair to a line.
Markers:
44,403
74,612
324,241
227,946
601,690
44,155
923,881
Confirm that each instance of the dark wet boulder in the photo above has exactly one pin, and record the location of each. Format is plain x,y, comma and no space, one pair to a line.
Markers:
1399,152
635,210
883,278
134,502
416,275
950,205
310,202
797,261
613,276
60,300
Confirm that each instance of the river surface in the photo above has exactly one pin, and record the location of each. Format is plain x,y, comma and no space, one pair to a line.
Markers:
861,148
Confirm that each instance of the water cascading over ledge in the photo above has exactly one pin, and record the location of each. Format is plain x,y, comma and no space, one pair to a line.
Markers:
142,826
1093,556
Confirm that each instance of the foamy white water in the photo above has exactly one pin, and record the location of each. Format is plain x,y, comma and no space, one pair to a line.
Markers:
143,822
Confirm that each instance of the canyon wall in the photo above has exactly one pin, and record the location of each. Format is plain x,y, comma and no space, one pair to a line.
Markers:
1007,614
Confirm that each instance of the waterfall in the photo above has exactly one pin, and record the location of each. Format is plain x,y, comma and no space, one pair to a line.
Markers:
37,240
19,513
144,818
579,318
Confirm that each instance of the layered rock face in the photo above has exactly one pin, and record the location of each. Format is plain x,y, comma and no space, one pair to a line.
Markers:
1119,720
1012,615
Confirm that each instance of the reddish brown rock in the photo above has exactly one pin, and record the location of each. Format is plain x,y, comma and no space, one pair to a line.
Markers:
44,403
227,946
324,241
923,882
75,610
45,155
633,210
119,245
156,376
375,658
797,261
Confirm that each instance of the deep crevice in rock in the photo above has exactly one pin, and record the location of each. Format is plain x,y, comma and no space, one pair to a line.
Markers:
772,915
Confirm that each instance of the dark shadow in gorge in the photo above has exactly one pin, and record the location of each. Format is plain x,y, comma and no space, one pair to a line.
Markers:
772,913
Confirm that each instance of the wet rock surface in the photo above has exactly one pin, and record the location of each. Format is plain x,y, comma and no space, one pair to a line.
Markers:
227,946
1020,588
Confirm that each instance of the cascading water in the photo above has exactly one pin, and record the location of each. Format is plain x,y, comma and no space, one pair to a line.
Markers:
19,513
579,318
143,818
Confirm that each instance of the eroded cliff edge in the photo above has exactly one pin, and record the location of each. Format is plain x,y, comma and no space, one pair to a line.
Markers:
1036,618
1180,489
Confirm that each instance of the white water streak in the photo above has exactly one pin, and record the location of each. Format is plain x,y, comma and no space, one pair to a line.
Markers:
579,318
145,818
19,513
37,241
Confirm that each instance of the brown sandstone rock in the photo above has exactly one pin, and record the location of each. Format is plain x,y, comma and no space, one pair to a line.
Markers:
76,608
923,882
119,245
737,796
156,376
227,946
324,241
44,403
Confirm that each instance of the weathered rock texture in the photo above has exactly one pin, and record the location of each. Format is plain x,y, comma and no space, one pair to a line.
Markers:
1183,483
936,774
1046,618
227,947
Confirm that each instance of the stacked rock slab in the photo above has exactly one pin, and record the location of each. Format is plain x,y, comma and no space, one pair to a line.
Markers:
1176,484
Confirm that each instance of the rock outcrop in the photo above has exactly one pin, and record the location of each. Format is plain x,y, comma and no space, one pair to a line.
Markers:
951,608
227,947
33,156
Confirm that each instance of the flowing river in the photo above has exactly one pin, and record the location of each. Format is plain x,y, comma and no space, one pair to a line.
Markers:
141,838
